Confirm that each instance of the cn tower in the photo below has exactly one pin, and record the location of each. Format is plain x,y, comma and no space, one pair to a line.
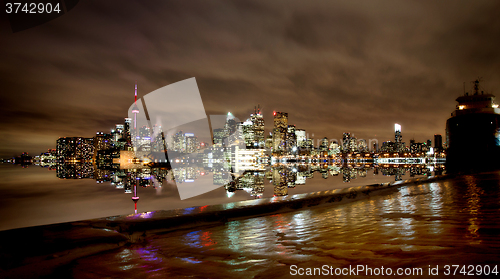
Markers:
135,109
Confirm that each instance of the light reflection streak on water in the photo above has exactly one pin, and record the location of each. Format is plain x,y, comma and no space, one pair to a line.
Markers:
124,257
150,255
407,206
193,239
473,206
435,207
404,202
233,235
299,222
436,203
191,260
281,226
199,239
206,239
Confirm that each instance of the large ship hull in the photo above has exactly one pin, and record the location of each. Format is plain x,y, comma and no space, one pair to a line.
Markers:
473,142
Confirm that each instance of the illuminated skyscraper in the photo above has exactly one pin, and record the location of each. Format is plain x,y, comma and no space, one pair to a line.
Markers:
117,136
398,138
102,141
253,130
301,136
192,143
75,149
179,142
249,134
126,133
219,135
397,133
353,144
291,139
279,132
346,139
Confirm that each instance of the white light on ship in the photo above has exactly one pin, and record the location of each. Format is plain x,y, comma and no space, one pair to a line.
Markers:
461,107
495,105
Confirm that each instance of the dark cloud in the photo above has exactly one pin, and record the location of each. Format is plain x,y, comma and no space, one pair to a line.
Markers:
334,66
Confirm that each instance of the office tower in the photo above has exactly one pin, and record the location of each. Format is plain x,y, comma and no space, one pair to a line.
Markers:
279,132
398,138
353,144
413,147
249,134
102,142
126,131
438,142
257,120
397,133
230,125
219,135
301,136
179,142
233,132
75,149
117,136
346,138
192,143
291,139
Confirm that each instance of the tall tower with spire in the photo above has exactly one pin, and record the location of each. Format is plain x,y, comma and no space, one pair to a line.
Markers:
135,109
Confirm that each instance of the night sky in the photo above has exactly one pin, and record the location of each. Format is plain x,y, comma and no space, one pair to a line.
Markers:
334,66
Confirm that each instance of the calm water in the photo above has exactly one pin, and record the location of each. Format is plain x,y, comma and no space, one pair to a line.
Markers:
36,196
449,222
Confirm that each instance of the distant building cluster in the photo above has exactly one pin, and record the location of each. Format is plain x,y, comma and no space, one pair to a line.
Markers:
417,149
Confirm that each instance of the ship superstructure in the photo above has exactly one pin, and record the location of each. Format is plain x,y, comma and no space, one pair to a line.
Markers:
473,132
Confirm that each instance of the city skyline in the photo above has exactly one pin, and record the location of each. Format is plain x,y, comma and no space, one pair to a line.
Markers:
334,67
281,140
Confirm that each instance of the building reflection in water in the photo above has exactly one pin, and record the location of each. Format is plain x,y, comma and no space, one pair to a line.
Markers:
282,176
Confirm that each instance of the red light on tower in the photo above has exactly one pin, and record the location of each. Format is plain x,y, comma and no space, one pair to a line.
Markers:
274,113
135,198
